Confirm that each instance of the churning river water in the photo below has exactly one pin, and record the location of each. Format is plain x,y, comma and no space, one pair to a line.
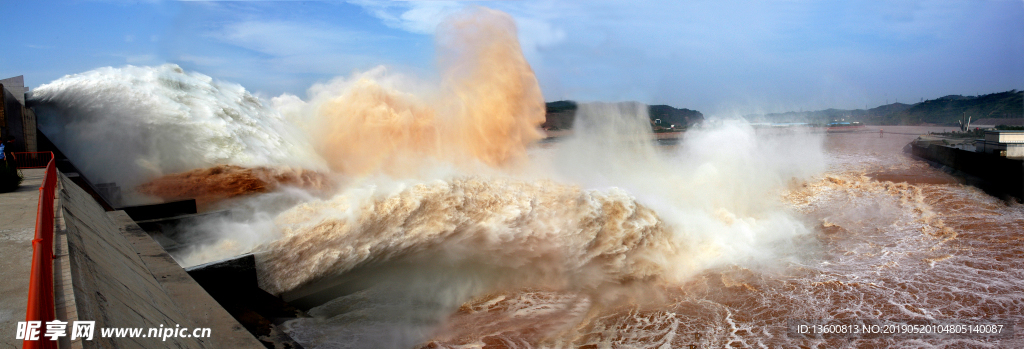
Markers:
890,238
453,227
894,238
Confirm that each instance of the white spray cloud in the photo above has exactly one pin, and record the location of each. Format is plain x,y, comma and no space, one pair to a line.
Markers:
132,124
598,213
719,191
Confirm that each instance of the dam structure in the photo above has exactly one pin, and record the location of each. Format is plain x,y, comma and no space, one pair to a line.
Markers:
994,163
111,262
108,269
613,243
108,265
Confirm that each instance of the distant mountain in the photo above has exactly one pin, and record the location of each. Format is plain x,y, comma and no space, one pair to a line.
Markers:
940,111
947,110
814,117
887,109
562,114
672,116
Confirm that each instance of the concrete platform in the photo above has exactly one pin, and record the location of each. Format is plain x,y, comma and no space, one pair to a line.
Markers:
122,278
17,228
106,269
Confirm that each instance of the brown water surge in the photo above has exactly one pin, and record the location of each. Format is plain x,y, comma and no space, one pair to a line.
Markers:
210,186
549,234
885,250
485,110
495,258
618,248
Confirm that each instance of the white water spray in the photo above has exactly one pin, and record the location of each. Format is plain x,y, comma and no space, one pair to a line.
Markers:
133,124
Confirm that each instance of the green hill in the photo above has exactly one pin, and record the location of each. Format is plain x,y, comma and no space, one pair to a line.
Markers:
561,114
947,110
673,116
940,111
830,115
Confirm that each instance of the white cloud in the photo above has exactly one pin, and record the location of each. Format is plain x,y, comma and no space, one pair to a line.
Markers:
540,33
421,17
283,38
284,51
140,59
533,20
202,60
698,54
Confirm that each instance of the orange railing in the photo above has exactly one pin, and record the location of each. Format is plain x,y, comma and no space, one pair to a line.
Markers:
32,159
40,284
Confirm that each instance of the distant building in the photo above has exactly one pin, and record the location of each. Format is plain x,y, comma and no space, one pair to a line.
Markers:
15,119
1006,143
993,122
17,87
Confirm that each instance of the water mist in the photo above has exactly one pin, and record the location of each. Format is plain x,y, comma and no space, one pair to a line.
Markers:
424,200
134,124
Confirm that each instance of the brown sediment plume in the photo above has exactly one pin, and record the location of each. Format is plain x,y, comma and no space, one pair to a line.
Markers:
908,195
488,107
526,315
492,86
211,185
913,177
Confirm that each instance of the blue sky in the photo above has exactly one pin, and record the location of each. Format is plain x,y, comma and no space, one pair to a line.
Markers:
719,57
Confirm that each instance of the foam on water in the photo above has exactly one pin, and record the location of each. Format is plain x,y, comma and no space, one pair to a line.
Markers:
885,250
557,236
453,232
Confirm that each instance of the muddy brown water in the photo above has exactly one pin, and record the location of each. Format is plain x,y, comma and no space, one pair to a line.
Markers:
896,239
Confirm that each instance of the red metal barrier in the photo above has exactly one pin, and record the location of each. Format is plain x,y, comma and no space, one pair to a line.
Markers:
32,159
40,288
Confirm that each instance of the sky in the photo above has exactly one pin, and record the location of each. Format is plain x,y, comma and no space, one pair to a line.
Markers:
719,57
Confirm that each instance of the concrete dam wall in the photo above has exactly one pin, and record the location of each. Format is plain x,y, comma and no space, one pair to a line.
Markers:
120,277
998,173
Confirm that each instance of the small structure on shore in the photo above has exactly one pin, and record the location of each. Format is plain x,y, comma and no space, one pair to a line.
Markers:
1002,142
16,120
965,123
994,163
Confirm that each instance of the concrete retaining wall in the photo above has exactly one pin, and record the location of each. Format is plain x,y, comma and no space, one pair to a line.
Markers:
1001,174
122,278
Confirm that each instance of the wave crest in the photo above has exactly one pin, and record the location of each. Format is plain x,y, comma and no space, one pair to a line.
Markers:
560,235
